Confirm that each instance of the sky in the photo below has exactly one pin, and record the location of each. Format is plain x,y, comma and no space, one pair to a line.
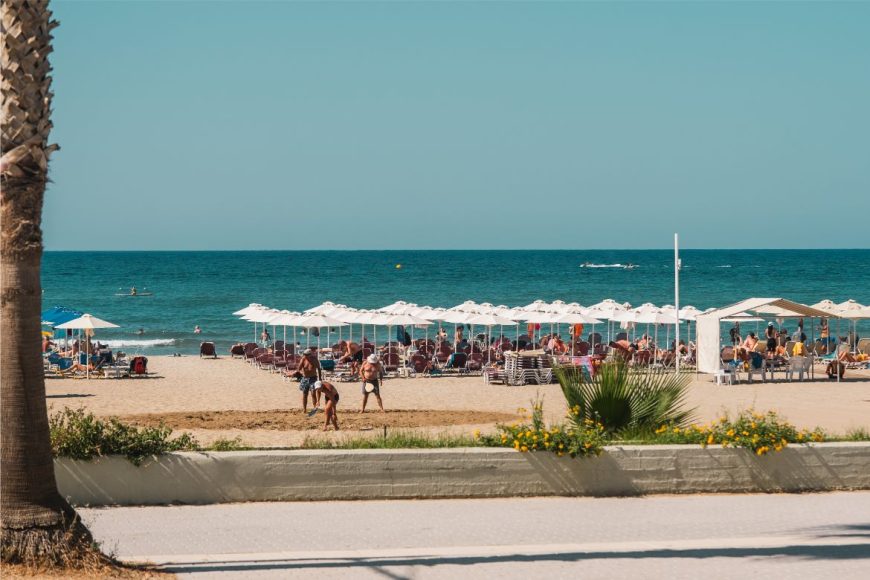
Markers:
285,125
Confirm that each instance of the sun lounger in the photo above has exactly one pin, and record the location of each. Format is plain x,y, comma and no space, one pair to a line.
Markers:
206,349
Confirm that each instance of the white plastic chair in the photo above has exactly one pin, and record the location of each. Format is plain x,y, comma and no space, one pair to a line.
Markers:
799,365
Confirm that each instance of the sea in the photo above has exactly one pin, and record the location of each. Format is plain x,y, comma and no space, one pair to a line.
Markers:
204,288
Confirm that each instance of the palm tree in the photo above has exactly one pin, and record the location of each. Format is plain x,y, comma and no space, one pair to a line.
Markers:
37,526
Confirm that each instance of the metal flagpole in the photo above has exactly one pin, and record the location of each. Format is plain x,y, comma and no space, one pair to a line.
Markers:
677,299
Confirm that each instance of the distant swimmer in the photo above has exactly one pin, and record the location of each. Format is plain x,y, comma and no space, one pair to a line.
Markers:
133,291
630,266
197,329
140,332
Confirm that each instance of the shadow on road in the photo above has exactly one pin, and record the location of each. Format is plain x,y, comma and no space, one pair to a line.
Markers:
849,552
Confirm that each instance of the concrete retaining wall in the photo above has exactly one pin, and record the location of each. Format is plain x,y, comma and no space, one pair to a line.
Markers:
201,478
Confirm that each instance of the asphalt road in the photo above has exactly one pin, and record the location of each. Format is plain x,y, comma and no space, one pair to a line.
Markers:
714,536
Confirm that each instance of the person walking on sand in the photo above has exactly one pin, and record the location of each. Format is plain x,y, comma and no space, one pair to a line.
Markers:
309,366
330,395
371,373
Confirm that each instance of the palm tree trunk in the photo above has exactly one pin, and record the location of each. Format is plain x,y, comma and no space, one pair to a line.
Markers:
37,526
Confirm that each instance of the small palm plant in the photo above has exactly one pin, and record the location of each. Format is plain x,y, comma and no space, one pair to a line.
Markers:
624,399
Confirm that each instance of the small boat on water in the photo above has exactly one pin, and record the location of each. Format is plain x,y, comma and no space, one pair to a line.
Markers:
133,293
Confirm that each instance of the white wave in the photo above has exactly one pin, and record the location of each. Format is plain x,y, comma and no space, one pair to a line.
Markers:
724,266
141,343
588,265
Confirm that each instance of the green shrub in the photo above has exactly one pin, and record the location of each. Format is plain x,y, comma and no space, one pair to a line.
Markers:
398,439
572,439
857,434
759,432
80,435
625,399
221,444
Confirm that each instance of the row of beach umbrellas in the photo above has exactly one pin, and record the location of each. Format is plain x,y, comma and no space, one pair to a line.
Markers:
400,313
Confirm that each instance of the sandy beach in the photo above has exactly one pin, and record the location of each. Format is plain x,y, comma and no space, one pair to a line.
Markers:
182,390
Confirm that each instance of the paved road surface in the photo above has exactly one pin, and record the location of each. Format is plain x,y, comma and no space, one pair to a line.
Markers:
714,536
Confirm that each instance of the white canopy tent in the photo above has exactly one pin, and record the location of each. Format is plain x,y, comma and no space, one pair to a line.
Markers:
708,329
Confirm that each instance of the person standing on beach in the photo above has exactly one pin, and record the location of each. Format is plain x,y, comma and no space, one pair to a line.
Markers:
330,395
309,366
771,335
371,373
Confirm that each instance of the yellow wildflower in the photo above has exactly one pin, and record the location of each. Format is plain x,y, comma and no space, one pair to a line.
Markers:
476,433
730,432
524,448
710,440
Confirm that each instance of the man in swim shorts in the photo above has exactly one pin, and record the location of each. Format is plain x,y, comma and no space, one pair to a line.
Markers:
370,373
330,395
309,366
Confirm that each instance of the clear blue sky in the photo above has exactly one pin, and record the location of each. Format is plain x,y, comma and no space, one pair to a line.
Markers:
281,125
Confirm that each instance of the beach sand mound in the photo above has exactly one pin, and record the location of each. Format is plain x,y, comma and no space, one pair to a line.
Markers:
295,420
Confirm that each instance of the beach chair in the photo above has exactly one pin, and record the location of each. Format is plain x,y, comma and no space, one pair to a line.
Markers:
581,348
799,365
390,361
237,350
419,364
457,360
207,349
139,366
278,345
755,365
475,362
641,358
493,375
264,360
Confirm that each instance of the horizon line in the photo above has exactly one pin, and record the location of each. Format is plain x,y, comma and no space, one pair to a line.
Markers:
705,249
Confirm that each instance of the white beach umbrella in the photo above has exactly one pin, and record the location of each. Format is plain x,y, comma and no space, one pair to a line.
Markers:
849,309
456,316
536,306
317,321
575,318
394,308
539,317
249,308
87,322
467,306
826,305
325,308
490,319
689,313
853,311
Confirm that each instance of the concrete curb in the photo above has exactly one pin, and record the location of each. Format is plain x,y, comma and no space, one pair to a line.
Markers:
304,475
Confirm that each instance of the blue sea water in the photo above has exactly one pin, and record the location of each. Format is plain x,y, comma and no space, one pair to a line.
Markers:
204,288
